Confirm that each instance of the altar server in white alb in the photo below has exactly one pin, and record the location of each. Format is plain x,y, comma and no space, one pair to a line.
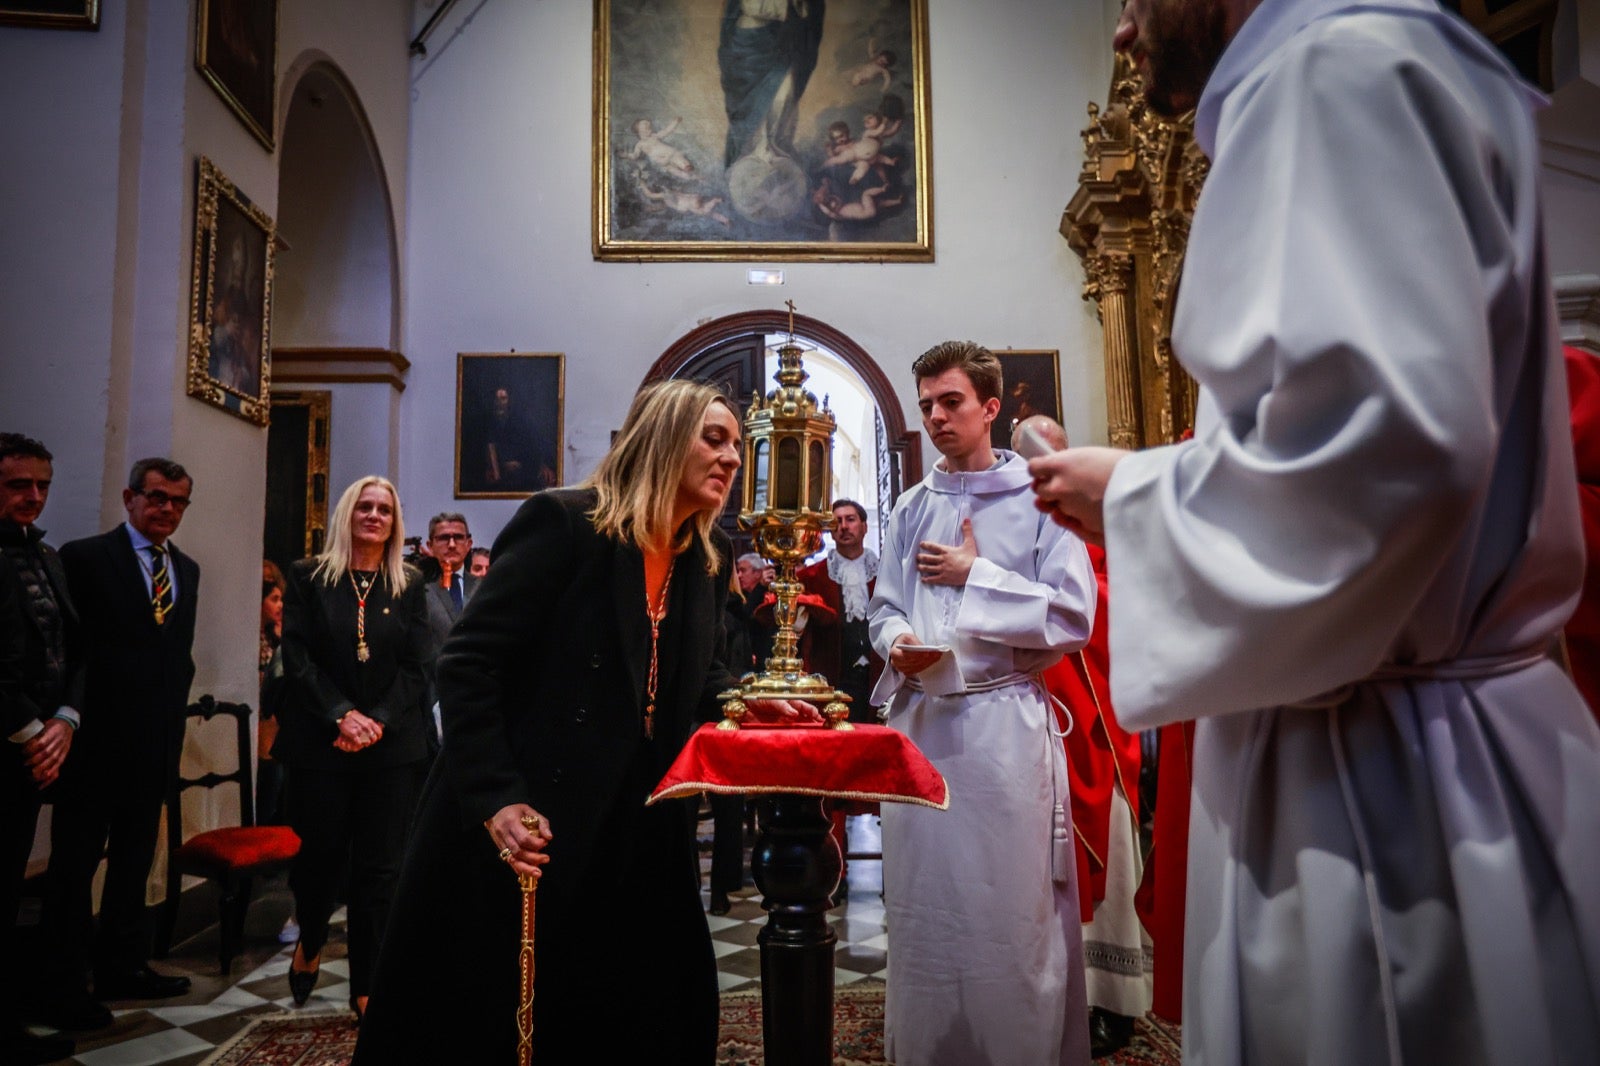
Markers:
985,945
1354,571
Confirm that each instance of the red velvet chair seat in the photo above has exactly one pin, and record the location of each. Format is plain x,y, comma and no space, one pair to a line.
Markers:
237,849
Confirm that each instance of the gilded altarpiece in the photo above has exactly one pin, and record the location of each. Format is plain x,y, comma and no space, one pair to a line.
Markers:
1129,222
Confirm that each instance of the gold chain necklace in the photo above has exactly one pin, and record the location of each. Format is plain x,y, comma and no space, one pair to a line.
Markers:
655,612
363,589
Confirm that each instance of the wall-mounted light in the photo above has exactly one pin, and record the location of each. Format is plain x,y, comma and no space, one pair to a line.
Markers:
764,277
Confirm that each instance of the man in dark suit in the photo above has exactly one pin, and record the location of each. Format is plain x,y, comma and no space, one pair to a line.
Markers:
450,543
41,687
136,593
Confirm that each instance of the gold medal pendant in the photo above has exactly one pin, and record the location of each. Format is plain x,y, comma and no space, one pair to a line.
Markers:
362,654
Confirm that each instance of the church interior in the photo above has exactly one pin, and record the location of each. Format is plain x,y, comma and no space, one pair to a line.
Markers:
439,194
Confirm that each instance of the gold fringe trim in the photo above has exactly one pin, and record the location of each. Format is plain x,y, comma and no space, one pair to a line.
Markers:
689,788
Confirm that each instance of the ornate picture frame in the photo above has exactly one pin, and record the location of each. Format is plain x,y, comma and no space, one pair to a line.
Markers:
509,423
230,314
236,51
1031,385
701,152
51,14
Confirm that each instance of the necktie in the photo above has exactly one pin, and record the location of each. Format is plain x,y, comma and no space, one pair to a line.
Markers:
455,590
160,583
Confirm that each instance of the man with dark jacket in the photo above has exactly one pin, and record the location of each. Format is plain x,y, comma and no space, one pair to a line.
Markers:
41,687
136,593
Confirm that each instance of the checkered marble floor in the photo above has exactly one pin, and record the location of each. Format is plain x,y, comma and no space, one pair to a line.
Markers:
184,1031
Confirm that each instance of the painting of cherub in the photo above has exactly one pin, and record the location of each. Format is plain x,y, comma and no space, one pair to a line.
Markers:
737,129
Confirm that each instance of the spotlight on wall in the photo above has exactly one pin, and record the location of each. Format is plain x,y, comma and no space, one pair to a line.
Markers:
764,277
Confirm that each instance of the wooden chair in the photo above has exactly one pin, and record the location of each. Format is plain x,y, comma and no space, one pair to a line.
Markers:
230,857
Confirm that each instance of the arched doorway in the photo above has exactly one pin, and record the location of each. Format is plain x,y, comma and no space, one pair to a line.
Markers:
337,376
732,351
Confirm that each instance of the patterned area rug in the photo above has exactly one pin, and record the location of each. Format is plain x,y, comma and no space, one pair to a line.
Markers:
858,1032
321,1038
329,1038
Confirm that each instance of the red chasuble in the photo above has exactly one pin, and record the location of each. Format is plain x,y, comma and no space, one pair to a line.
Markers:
1099,752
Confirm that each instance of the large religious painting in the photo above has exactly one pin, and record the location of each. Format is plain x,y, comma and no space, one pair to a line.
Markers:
508,423
231,301
236,50
54,14
1031,385
762,129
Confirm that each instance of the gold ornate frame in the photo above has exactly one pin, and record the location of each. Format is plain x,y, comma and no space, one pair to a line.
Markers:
16,14
260,125
212,191
470,408
1129,222
1024,365
319,426
612,237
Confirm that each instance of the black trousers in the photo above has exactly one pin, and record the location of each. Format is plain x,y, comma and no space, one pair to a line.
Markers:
114,810
727,842
358,821
19,816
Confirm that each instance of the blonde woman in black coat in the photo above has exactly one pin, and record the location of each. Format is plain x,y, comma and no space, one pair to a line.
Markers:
353,733
568,686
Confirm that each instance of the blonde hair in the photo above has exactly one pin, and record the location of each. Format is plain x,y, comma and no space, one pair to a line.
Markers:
334,562
637,482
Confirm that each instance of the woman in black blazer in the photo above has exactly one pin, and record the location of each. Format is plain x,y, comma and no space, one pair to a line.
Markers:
569,684
353,734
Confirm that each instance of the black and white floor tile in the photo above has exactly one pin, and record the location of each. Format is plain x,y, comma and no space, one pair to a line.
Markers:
186,1030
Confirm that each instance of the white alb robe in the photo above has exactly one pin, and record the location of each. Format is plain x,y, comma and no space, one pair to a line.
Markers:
1373,536
985,954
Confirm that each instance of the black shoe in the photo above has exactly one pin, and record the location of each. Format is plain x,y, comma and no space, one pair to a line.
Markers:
21,1048
142,983
1109,1033
66,1008
719,902
301,982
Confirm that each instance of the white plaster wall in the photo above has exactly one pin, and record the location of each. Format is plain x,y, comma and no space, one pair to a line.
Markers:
1569,134
60,107
499,233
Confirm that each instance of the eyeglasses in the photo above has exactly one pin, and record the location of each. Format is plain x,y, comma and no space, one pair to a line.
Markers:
448,537
158,499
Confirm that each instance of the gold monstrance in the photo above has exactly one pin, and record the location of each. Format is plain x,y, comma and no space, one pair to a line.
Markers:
788,471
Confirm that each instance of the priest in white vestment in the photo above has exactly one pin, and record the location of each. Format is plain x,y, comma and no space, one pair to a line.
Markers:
1353,573
977,593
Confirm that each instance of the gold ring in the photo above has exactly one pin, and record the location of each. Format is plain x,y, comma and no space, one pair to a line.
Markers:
530,821
505,854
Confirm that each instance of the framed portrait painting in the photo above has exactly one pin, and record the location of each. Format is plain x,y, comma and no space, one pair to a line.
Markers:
1031,385
231,302
762,129
509,409
236,51
52,14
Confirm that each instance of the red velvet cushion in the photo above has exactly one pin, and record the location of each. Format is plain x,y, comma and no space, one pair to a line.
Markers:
869,763
237,848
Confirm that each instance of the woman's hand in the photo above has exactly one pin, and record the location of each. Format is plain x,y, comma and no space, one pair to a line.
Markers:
783,712
520,834
357,731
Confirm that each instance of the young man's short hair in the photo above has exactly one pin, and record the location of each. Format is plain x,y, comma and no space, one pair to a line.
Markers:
976,361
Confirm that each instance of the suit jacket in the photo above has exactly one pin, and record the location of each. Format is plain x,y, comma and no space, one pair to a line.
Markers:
22,650
137,673
442,611
542,681
324,679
